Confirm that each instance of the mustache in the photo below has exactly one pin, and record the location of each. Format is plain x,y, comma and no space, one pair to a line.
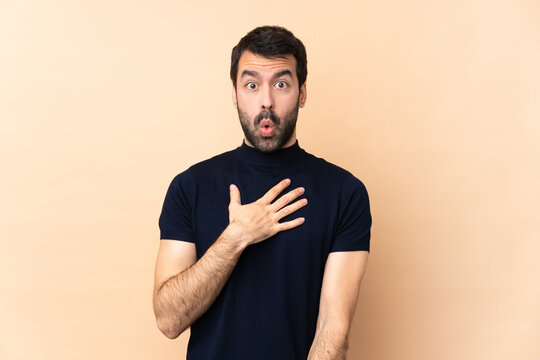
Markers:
267,114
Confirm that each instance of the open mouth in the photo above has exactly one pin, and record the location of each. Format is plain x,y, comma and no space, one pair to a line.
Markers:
266,128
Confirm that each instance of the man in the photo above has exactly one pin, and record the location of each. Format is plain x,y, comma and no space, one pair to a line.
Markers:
244,259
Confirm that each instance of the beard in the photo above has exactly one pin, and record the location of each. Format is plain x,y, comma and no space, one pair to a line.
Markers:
283,128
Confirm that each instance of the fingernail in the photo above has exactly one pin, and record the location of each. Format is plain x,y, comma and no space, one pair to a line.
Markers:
301,190
288,181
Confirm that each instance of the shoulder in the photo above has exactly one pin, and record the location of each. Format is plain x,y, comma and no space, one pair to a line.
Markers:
205,168
214,164
333,173
341,183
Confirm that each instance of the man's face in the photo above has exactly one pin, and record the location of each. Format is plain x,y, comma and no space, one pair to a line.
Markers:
267,98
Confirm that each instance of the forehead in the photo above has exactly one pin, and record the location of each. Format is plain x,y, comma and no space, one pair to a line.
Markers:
261,64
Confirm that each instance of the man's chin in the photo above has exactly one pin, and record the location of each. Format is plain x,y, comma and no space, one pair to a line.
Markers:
267,145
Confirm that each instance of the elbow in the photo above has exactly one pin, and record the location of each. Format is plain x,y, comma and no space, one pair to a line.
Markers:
169,330
171,334
166,323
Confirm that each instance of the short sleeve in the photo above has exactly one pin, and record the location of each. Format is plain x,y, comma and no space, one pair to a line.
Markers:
353,230
175,221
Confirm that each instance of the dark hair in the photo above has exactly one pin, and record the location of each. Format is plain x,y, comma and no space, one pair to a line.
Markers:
271,42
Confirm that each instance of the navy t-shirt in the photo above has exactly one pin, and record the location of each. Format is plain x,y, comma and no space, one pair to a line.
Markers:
269,306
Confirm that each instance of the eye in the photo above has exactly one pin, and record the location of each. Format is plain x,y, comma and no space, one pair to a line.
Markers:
251,85
282,85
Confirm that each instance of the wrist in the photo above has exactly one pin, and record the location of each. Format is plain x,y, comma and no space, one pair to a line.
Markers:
235,235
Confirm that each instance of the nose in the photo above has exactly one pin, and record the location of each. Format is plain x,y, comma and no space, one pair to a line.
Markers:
267,99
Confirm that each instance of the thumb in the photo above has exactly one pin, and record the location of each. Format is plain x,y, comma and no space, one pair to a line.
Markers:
235,195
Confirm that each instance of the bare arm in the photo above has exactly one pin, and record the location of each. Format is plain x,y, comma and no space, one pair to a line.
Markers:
184,288
184,297
339,294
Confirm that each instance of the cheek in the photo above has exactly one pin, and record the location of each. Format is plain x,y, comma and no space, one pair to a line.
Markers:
287,103
244,102
245,115
248,108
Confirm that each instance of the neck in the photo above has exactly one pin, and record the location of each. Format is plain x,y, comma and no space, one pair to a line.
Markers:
282,156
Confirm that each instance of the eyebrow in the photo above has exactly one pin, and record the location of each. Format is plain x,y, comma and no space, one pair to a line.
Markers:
256,74
283,73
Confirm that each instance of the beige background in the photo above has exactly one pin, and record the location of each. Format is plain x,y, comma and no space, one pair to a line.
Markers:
435,105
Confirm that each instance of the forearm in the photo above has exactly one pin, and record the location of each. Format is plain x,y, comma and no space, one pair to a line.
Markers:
183,298
330,343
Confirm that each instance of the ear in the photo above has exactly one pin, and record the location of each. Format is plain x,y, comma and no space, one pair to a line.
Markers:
303,95
234,100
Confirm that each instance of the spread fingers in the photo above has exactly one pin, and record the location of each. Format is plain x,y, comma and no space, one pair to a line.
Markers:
289,209
290,224
287,198
275,191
